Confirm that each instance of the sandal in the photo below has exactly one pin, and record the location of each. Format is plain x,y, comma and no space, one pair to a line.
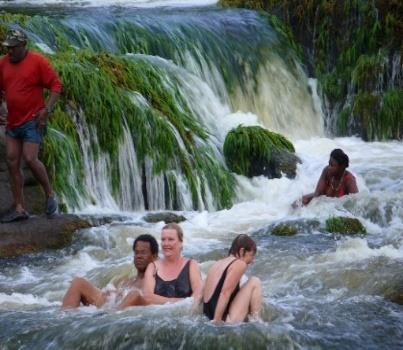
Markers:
14,216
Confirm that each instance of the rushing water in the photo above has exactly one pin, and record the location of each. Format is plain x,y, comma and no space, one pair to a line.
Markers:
321,291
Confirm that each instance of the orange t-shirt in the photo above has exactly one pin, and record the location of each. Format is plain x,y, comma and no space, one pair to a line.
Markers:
23,84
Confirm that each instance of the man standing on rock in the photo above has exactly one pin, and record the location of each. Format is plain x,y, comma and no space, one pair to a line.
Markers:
24,75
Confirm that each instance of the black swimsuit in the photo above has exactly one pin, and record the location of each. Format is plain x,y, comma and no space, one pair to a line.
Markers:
210,306
180,287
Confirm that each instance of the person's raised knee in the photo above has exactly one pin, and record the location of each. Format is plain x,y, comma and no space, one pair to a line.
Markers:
77,282
255,281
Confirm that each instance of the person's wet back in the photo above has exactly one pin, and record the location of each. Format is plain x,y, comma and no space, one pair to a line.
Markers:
224,299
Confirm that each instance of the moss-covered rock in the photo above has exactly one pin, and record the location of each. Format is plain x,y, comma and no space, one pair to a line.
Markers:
290,227
345,225
253,151
284,230
167,217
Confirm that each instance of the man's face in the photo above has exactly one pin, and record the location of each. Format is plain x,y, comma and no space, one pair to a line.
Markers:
16,53
142,255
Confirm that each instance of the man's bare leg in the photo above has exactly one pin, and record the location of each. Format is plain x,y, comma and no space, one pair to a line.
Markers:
13,155
82,291
30,152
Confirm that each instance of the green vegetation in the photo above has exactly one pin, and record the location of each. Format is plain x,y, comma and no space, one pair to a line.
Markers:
109,93
245,146
354,49
284,230
345,225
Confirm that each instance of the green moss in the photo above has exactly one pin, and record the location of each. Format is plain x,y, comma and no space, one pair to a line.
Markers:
345,225
368,72
243,145
284,230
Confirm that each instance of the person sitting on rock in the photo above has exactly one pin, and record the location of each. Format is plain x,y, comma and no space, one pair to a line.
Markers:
224,298
128,291
335,180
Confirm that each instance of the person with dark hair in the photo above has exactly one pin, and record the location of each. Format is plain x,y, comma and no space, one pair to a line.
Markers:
24,75
335,180
223,298
173,277
128,291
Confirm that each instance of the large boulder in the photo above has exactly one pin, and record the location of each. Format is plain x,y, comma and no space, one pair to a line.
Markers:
254,151
38,233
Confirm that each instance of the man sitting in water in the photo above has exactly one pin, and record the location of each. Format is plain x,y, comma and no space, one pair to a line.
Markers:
145,248
335,180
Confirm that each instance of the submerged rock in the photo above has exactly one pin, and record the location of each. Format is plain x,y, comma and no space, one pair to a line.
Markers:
345,225
38,233
284,230
290,228
167,217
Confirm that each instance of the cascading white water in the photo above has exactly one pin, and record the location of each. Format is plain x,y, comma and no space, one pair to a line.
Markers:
320,290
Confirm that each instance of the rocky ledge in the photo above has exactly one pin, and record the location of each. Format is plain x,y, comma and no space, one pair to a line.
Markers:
38,233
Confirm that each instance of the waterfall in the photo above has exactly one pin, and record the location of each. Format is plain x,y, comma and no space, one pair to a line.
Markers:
204,80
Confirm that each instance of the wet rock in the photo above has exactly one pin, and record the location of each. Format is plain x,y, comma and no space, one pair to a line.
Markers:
290,227
394,292
38,233
284,230
167,217
345,225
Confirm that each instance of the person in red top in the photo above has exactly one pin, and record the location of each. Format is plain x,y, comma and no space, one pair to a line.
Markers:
335,180
24,75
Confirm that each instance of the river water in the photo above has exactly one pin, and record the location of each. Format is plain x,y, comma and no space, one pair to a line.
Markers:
320,290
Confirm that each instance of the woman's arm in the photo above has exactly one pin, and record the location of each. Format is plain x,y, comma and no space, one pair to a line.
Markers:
195,281
351,185
321,186
234,274
149,286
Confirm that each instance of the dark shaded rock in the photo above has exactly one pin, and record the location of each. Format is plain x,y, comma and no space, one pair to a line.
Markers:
394,293
167,217
284,162
345,225
38,233
290,228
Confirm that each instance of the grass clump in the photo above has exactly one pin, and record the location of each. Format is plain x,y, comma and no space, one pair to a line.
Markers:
245,146
345,225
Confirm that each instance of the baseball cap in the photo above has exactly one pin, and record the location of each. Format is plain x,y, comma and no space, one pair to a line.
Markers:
15,37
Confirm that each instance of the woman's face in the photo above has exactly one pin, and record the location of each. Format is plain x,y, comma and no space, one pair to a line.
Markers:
170,243
334,167
247,256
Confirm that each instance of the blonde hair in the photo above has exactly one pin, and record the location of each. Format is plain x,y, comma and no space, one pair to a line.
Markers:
176,227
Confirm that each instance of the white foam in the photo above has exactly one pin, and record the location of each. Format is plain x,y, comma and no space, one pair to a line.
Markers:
357,249
8,300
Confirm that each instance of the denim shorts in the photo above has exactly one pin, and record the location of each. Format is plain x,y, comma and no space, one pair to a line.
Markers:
27,132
